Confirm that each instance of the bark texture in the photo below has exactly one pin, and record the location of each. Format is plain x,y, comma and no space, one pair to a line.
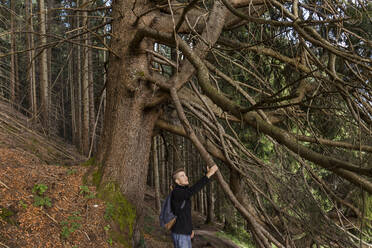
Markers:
44,80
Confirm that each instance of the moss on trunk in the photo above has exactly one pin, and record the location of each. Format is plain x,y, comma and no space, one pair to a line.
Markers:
122,213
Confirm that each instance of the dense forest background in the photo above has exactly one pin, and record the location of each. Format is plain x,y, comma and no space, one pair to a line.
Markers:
277,93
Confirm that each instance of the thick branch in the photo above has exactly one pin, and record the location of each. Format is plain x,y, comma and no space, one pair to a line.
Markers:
295,62
327,142
254,19
215,22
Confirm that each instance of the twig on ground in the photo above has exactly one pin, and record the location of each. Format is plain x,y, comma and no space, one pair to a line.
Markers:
85,234
50,217
4,245
4,185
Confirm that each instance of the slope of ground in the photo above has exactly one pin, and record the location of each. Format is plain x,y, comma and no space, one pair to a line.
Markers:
18,131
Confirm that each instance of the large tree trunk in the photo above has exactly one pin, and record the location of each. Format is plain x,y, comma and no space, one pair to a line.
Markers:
125,151
126,142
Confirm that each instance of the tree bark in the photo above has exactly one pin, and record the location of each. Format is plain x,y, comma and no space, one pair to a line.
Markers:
155,153
92,113
126,142
85,86
210,203
163,170
31,59
125,149
13,56
72,100
44,81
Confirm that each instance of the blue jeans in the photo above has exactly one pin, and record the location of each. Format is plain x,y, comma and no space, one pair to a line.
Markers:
181,240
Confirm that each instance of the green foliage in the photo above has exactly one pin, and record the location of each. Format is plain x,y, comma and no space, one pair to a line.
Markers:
89,162
93,176
109,241
364,203
39,199
107,228
42,201
39,189
84,190
368,206
97,177
239,236
23,204
70,225
140,74
6,215
109,211
71,171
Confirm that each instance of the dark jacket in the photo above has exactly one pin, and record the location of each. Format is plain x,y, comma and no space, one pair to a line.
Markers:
183,223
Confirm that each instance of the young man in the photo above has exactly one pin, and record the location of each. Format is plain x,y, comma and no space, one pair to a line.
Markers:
182,232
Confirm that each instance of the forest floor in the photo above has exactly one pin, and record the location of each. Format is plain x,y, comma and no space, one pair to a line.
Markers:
45,204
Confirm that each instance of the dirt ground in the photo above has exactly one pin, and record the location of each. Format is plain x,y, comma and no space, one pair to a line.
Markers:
74,218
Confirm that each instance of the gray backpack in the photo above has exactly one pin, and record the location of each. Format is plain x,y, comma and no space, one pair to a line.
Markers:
167,218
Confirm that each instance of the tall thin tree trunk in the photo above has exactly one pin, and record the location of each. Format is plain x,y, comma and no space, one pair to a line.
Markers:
150,171
44,81
76,83
162,163
104,79
13,56
210,203
155,153
219,203
72,100
31,59
201,192
52,109
85,86
79,99
92,113
63,109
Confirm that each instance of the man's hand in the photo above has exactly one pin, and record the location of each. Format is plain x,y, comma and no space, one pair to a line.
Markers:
192,234
211,171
